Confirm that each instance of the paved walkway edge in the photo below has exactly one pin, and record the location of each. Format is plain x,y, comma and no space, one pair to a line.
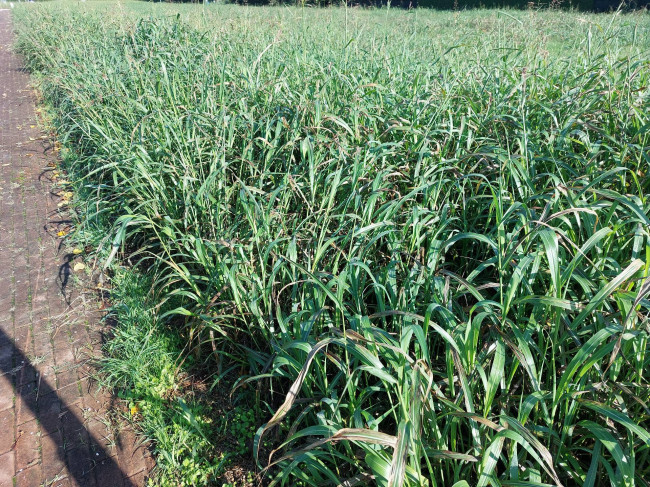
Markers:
54,424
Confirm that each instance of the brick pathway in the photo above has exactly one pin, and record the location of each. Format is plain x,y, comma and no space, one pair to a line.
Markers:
53,423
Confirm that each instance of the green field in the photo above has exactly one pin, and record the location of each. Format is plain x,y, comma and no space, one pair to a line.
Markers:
382,246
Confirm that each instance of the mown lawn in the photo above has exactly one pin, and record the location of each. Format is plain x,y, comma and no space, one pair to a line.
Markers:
356,246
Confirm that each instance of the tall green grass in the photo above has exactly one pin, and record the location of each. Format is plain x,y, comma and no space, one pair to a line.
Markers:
421,237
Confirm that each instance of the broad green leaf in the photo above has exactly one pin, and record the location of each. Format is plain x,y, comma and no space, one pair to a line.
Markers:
621,418
400,455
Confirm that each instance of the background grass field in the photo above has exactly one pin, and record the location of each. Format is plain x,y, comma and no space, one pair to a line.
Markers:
365,246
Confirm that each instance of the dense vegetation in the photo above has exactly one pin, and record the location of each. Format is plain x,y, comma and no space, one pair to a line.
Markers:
414,245
584,5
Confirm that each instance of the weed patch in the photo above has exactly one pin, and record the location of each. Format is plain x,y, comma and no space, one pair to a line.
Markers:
413,244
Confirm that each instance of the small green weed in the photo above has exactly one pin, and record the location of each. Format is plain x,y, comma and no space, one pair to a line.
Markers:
242,427
246,482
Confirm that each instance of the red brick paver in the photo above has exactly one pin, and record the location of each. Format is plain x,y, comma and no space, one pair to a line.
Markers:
53,427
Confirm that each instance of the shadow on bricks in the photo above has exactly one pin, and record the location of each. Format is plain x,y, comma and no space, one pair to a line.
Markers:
74,459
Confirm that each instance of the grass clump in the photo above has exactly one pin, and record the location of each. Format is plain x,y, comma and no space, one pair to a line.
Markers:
141,364
417,241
